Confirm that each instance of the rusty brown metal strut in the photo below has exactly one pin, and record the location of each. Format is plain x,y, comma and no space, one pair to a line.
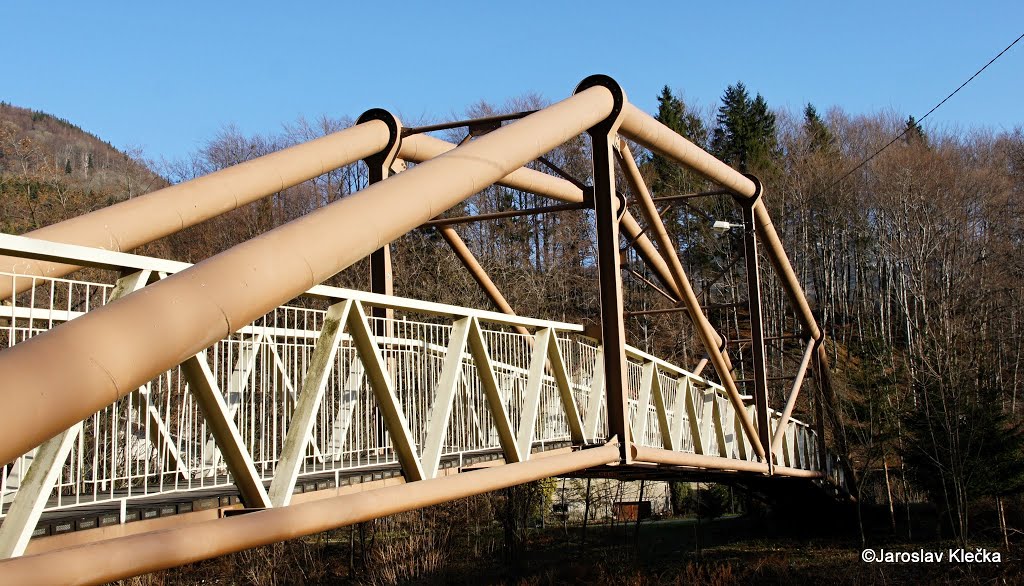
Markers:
607,210
478,273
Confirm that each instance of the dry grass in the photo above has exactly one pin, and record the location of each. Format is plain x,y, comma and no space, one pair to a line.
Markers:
413,557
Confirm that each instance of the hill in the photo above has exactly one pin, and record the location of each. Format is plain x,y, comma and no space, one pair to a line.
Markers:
51,170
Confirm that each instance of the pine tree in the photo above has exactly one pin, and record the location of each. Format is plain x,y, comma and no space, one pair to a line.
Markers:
670,177
670,110
961,449
819,137
685,218
914,133
745,135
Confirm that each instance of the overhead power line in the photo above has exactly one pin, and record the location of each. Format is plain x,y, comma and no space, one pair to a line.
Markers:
921,119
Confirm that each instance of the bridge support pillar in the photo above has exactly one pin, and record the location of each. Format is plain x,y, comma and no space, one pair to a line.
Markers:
379,166
608,209
764,432
381,274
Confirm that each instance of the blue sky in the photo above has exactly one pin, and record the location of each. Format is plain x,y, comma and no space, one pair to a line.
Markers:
165,76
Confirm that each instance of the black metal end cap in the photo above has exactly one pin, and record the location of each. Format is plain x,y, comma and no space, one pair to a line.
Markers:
758,188
618,96
394,128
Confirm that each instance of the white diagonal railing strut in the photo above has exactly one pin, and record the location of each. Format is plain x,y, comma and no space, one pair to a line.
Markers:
384,392
531,397
798,381
565,390
595,398
314,384
238,382
28,505
499,411
444,396
229,441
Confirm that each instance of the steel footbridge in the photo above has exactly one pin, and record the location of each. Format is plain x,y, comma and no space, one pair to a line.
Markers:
176,412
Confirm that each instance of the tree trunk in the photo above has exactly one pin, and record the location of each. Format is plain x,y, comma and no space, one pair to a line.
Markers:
888,491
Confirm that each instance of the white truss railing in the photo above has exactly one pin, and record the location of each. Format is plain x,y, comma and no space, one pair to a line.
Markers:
307,391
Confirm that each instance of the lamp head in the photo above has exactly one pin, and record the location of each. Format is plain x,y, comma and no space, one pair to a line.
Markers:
721,227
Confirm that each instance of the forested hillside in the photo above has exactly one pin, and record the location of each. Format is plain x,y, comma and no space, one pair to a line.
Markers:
912,262
51,170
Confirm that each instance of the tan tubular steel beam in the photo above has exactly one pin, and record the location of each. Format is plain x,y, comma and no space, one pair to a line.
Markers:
713,344
666,457
458,246
796,472
115,349
109,560
656,456
700,366
787,412
645,248
653,219
640,127
137,221
420,148
780,261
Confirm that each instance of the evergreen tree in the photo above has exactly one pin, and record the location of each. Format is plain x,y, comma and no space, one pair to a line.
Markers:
670,110
745,135
914,134
819,137
670,177
962,448
685,219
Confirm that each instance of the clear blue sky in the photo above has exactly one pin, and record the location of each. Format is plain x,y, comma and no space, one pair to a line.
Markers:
165,76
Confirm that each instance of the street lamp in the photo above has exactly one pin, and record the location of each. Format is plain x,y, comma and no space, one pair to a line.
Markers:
721,226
